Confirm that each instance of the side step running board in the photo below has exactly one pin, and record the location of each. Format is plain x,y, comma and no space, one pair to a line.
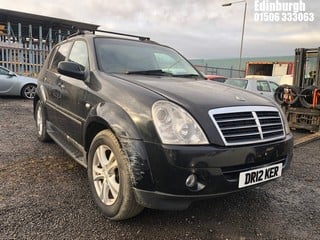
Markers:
72,148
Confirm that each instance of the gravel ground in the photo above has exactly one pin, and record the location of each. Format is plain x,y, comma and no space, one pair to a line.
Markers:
44,195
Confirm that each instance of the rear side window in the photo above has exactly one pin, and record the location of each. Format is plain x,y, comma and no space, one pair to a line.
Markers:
60,55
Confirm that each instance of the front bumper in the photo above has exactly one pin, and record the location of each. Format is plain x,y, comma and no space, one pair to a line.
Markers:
216,168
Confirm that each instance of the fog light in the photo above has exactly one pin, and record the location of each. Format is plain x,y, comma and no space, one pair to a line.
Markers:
193,184
191,181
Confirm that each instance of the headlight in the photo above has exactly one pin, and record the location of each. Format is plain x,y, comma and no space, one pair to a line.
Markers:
175,125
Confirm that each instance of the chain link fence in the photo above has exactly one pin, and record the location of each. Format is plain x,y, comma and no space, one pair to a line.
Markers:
227,72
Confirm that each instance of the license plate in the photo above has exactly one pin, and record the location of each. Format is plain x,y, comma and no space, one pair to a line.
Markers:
259,175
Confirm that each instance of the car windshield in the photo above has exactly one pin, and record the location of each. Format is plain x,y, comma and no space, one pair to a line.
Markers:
237,82
133,57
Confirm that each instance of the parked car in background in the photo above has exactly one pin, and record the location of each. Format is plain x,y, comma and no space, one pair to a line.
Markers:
264,87
216,78
13,84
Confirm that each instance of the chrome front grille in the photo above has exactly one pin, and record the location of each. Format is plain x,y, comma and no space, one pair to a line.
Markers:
248,124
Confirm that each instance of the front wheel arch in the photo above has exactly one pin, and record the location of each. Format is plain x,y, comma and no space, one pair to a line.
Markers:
119,122
128,136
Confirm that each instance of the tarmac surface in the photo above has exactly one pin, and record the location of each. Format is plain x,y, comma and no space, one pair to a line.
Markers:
44,194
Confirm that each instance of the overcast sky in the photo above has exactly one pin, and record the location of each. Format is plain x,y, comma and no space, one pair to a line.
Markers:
197,28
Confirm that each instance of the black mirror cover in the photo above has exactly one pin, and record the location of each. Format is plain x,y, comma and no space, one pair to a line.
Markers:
71,69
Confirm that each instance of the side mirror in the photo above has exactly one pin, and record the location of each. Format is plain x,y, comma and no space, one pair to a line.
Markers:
71,69
12,74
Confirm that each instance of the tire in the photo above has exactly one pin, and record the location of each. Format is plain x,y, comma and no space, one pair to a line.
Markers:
109,178
40,118
29,91
306,97
280,93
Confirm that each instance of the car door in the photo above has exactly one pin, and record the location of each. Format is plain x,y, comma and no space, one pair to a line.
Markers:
7,81
73,93
53,89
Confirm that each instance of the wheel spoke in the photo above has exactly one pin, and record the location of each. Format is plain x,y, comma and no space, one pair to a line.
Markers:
101,154
111,171
97,170
113,186
104,192
98,178
112,165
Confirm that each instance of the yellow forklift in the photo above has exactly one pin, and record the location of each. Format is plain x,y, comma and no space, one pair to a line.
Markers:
301,101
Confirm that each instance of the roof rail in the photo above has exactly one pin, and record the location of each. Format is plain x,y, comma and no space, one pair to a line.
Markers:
83,31
78,32
141,38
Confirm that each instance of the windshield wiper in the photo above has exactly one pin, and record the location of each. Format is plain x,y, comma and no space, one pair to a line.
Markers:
157,72
186,75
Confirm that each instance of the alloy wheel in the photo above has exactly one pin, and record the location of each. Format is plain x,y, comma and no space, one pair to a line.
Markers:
106,175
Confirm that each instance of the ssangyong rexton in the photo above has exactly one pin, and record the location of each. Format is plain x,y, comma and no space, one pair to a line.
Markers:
151,131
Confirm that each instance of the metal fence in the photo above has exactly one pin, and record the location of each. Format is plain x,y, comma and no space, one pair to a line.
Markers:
24,59
227,72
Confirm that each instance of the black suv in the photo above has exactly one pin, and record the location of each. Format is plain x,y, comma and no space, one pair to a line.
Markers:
151,131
